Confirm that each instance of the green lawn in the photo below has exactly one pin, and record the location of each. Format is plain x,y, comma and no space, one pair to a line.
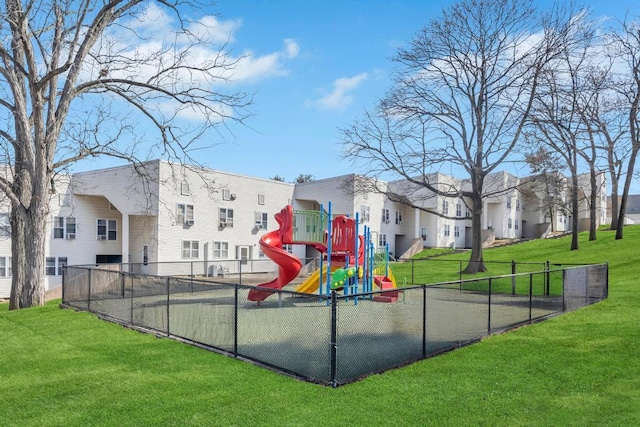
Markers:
61,367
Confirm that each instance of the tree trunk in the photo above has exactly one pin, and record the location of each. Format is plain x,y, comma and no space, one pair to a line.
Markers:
614,206
476,262
614,197
625,194
18,257
28,245
575,211
34,285
593,206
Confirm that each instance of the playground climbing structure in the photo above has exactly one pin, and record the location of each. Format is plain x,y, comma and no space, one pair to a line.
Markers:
349,261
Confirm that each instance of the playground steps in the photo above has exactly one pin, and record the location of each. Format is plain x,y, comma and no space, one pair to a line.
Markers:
385,283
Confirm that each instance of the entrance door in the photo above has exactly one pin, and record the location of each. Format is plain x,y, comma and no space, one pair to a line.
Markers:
243,253
145,259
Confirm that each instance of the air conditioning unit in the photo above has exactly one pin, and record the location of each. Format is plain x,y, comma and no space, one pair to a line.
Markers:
259,226
102,237
71,236
386,221
223,224
189,222
232,196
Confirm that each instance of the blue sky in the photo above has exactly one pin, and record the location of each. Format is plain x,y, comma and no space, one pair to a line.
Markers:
315,66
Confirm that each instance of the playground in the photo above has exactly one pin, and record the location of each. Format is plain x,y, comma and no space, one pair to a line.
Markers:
346,320
349,261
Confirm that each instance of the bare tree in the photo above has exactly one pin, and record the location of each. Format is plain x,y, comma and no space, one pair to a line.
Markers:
460,99
561,117
78,78
625,49
609,129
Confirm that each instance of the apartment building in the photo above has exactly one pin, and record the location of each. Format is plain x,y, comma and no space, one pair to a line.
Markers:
147,217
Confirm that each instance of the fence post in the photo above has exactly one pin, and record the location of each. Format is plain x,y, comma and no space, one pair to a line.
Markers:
334,339
530,295
424,321
460,273
547,278
122,277
606,292
168,301
89,291
489,311
131,299
191,276
64,271
235,321
513,277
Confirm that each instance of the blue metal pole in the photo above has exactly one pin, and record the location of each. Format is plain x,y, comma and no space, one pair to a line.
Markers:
329,249
356,252
386,260
321,225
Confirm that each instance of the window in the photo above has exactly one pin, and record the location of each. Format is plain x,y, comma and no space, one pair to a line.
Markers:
399,217
62,261
385,216
64,228
145,255
58,227
423,233
364,213
510,222
227,195
5,266
185,214
53,265
458,209
447,230
50,266
508,202
5,225
226,217
261,220
382,240
445,207
70,228
107,229
517,204
261,199
456,231
517,226
221,250
190,249
467,213
184,188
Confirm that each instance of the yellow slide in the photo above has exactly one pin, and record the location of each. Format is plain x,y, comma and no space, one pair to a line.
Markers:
380,270
312,283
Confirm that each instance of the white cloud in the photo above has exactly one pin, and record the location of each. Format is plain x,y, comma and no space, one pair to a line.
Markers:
340,97
151,48
292,48
253,67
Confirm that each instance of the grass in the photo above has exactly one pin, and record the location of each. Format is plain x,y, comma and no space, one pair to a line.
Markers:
60,367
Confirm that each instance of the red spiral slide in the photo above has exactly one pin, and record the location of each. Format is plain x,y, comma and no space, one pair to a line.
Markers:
288,265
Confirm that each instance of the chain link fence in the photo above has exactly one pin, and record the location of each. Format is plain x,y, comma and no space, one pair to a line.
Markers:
334,339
